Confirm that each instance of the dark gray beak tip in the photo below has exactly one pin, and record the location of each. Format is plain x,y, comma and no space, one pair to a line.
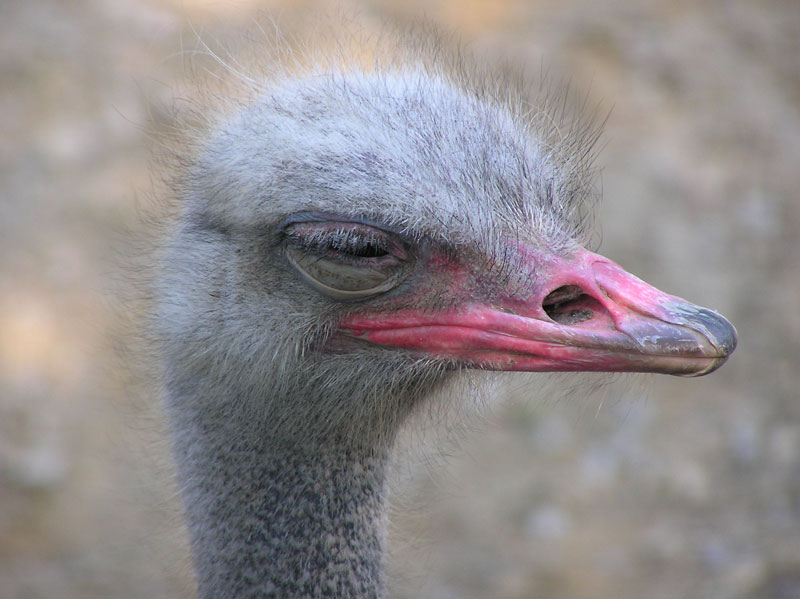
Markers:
719,331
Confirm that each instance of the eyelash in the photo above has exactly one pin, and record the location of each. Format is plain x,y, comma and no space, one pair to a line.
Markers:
353,243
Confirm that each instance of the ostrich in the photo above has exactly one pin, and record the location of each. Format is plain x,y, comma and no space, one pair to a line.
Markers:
350,243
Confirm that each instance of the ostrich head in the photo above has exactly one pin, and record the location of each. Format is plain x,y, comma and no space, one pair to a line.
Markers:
348,243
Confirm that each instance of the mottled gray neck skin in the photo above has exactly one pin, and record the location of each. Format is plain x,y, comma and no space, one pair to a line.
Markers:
278,521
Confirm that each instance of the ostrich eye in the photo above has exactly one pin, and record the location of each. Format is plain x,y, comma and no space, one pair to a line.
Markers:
345,261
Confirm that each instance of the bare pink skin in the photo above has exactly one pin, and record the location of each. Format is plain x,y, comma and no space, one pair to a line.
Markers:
610,321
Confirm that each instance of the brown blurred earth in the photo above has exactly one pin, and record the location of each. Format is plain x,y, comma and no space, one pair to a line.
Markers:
631,487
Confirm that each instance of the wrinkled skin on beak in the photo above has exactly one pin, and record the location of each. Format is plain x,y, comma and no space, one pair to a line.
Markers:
585,313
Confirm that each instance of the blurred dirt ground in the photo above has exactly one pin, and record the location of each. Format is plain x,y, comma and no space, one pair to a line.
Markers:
648,487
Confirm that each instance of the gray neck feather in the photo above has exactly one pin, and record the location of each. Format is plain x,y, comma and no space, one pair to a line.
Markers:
283,481
282,522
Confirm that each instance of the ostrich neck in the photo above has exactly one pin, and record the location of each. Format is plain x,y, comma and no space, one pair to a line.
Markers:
268,521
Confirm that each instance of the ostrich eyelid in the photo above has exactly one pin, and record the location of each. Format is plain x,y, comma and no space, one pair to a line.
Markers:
341,281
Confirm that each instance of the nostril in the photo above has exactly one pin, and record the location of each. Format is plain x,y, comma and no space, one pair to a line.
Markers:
565,293
569,305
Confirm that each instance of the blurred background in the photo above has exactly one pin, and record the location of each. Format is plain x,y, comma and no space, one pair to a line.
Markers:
637,487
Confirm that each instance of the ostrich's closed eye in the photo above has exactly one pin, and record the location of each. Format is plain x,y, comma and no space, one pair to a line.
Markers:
345,260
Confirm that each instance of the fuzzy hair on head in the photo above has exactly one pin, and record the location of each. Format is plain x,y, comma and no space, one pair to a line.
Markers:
408,131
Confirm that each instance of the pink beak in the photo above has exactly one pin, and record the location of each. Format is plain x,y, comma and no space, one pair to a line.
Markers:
585,314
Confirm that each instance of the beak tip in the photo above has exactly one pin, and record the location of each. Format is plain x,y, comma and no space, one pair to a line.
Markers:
720,333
